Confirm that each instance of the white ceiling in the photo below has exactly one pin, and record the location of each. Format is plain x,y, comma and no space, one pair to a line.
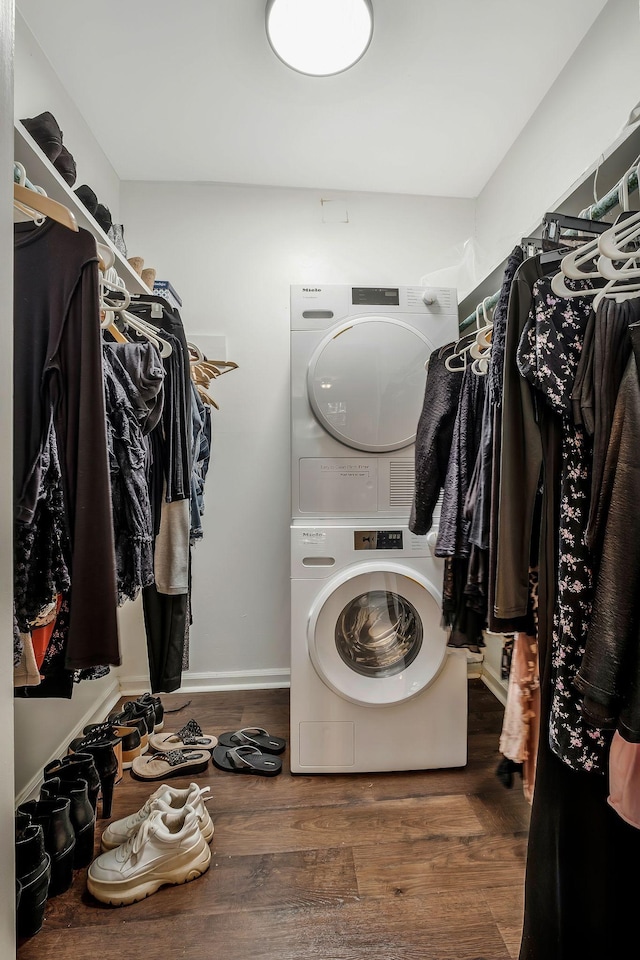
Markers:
191,90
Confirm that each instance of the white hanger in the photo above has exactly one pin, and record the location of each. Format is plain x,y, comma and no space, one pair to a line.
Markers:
461,353
147,331
35,204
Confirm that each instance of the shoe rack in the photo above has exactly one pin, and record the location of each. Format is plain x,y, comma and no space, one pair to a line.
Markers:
41,172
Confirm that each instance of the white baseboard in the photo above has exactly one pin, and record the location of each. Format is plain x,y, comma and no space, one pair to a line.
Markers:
213,682
494,682
95,714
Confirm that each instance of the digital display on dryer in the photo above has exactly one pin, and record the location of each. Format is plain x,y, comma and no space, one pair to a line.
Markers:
377,539
375,296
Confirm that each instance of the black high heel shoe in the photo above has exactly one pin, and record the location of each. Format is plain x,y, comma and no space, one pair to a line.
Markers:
101,735
106,762
81,813
59,838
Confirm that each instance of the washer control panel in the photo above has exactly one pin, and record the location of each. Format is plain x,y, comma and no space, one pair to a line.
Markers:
377,539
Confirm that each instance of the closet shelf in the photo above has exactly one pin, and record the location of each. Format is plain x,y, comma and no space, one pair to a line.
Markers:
41,172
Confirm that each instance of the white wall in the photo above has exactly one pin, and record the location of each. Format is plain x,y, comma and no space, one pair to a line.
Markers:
37,88
7,887
231,252
580,117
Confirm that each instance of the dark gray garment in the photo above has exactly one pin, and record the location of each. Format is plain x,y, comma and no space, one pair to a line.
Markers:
433,438
520,463
201,431
607,353
499,331
481,514
143,364
131,508
453,533
609,676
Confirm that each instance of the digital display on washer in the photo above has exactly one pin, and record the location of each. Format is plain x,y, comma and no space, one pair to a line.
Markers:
376,296
377,539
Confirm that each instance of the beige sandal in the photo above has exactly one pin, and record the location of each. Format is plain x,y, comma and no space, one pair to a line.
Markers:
175,763
190,735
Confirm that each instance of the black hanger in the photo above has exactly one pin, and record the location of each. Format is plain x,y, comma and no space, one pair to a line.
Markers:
556,225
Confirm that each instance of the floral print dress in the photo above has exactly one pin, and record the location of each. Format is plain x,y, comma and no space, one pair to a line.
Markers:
548,356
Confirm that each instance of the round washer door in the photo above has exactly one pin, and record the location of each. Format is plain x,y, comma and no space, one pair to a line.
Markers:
366,382
374,634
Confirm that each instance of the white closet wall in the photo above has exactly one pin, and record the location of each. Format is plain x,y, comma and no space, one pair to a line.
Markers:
581,115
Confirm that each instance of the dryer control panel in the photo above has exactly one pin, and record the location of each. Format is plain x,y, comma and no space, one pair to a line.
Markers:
377,539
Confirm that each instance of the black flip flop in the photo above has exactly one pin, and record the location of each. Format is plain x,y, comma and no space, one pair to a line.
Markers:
253,737
246,759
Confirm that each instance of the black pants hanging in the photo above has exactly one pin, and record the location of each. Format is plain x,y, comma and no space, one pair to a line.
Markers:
166,624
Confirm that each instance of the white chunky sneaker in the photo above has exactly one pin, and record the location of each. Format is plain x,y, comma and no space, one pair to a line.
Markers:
168,799
167,848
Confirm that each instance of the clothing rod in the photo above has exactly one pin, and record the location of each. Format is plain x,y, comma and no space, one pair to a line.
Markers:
596,211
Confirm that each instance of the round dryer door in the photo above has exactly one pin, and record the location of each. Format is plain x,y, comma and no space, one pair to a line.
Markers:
366,382
374,634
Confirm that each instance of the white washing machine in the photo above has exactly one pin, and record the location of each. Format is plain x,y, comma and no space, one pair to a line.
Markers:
373,684
358,358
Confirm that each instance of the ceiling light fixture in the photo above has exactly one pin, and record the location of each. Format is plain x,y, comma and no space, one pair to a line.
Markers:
319,37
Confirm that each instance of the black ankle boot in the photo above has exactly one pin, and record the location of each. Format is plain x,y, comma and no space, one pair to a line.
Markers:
45,131
82,814
33,873
77,766
59,838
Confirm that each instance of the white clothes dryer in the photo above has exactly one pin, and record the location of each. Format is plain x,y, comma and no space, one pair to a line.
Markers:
373,684
358,359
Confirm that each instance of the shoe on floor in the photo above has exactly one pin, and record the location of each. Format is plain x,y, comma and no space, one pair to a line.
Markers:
168,848
253,737
158,709
190,735
173,763
246,759
166,799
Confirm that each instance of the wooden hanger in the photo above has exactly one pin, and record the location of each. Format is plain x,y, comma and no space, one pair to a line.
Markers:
31,201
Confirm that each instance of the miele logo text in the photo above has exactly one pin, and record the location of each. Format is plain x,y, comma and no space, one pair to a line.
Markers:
312,289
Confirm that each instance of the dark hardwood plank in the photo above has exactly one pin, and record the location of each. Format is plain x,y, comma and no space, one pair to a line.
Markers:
440,928
444,864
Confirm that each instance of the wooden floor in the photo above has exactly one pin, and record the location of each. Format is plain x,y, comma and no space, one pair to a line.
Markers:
393,866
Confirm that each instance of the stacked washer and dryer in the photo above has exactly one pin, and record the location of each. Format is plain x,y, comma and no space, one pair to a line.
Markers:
373,684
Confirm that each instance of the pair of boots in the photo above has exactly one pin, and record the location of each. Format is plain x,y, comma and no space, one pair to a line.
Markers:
66,815
45,131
